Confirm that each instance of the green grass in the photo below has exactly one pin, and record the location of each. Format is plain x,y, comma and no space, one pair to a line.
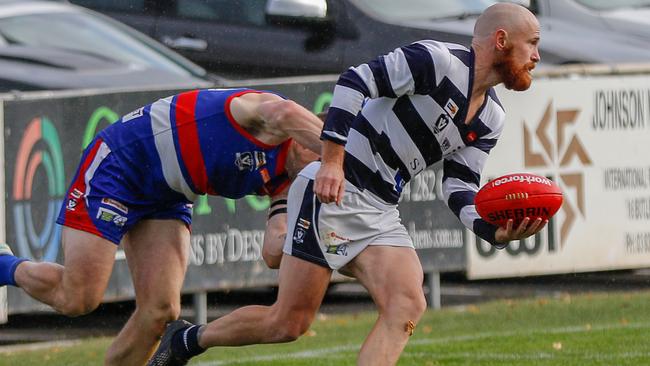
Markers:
594,329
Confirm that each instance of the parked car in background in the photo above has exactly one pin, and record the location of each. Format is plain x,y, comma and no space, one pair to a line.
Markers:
55,45
629,17
283,37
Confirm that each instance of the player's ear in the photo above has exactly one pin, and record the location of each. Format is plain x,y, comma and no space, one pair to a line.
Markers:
501,39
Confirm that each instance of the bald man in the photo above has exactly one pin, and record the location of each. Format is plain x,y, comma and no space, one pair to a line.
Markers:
428,101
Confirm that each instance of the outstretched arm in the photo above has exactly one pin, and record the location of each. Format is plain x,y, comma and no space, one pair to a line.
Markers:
291,119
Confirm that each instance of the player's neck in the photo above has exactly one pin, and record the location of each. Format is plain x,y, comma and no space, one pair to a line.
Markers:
485,76
483,81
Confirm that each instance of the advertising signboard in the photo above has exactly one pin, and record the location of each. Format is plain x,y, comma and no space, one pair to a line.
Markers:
44,138
590,135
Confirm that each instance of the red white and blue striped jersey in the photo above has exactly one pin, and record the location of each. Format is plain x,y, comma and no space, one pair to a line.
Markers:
419,99
189,144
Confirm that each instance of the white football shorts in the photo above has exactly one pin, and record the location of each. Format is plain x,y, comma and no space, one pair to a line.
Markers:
331,235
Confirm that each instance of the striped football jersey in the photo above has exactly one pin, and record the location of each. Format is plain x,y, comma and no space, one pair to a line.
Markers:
419,98
189,144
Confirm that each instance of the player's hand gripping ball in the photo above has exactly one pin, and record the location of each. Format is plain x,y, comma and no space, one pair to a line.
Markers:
517,196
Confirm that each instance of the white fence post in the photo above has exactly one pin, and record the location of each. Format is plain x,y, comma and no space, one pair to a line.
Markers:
3,238
3,304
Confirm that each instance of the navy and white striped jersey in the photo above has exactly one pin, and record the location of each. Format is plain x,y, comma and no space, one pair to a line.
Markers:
419,98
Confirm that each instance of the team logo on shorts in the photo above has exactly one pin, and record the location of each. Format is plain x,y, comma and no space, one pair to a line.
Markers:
302,226
299,235
74,195
341,249
107,215
72,204
335,243
303,223
113,203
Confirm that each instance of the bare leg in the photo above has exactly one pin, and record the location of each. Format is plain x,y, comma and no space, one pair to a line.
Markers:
77,287
157,253
302,288
393,276
276,231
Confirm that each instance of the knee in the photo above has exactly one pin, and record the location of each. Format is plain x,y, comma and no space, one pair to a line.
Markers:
291,327
158,315
419,304
75,307
271,260
416,303
408,302
153,318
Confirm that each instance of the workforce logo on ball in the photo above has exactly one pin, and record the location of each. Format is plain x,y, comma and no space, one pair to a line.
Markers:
37,235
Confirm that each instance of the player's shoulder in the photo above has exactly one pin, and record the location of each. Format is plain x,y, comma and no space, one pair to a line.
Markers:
459,54
451,55
436,48
446,48
254,96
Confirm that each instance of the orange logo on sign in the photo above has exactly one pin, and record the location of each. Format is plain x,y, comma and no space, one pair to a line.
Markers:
559,154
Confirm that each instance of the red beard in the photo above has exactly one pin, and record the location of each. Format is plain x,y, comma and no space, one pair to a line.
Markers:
513,77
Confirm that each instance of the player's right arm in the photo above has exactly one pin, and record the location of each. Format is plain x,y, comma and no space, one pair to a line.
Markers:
329,184
413,69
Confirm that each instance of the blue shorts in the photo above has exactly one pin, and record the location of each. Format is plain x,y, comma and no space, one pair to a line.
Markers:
102,200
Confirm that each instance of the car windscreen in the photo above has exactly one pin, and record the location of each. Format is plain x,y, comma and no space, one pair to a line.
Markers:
86,34
423,9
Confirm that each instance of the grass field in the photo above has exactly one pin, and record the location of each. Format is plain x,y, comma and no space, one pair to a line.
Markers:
587,330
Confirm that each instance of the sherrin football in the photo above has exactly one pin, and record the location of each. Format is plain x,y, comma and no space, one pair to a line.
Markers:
517,196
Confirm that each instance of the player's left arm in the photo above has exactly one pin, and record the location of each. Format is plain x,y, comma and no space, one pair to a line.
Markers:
460,183
525,229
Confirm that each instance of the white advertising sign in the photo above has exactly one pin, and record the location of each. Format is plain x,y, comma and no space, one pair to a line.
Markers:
591,136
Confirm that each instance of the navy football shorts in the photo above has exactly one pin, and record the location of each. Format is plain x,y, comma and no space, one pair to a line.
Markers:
102,200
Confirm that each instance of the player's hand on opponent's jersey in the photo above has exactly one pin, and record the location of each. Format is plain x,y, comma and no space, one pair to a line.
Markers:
329,185
524,230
